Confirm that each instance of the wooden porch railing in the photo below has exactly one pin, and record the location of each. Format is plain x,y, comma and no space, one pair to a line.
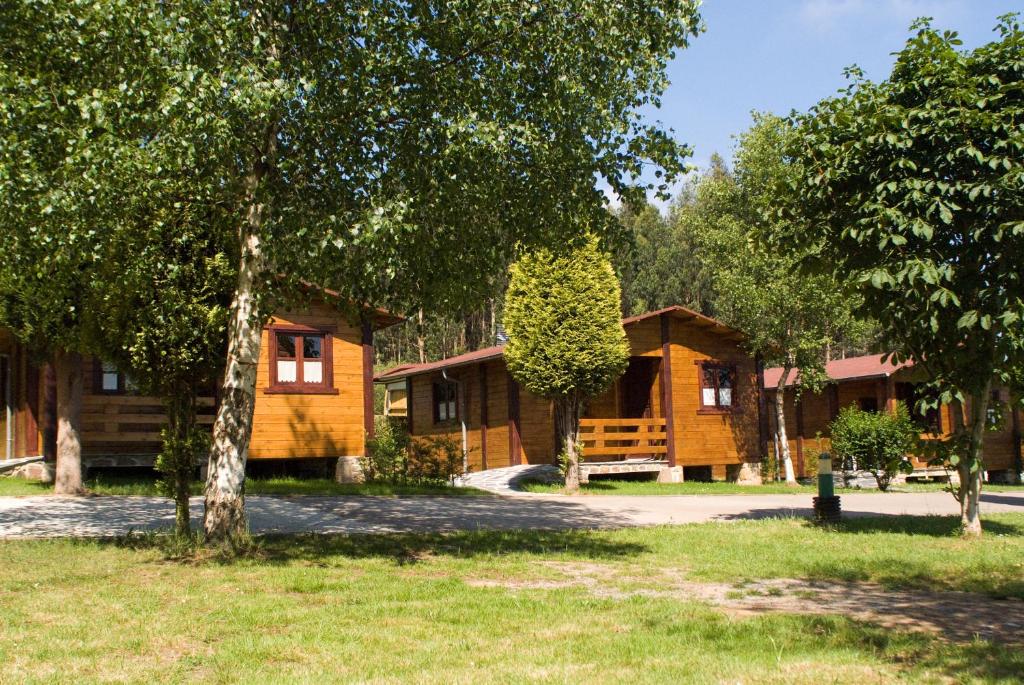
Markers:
624,438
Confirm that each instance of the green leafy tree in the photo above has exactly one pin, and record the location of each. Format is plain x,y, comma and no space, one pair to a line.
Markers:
878,442
164,323
394,151
58,186
566,340
915,187
790,319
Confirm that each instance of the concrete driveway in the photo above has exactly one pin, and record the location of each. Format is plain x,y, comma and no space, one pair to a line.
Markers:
51,516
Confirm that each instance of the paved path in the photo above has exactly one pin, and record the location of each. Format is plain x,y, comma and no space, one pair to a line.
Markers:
506,481
51,516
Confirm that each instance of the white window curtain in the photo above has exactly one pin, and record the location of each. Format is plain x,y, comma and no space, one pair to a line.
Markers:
286,371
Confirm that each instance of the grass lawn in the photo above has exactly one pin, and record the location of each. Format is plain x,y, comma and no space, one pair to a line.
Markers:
650,487
456,608
141,485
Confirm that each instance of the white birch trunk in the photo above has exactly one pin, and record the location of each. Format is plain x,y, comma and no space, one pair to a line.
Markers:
224,518
780,423
68,477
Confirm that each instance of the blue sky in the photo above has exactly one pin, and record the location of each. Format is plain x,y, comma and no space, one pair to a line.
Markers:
779,55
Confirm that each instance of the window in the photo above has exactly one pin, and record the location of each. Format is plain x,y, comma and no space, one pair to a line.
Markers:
929,420
445,407
868,404
300,361
717,383
107,380
994,414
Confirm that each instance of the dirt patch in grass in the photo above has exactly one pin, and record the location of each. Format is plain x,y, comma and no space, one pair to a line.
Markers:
960,617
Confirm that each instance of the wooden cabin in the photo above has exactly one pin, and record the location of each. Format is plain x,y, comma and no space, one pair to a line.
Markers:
873,384
314,398
687,406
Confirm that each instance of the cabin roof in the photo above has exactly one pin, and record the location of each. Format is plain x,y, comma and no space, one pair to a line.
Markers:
849,369
494,352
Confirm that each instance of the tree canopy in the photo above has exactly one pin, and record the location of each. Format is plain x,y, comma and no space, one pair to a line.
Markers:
393,151
914,186
566,340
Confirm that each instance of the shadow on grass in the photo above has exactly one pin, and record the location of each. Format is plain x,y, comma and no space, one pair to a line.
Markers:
402,548
864,522
921,653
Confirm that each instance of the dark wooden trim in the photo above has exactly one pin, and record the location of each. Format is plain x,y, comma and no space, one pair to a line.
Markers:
367,344
327,352
1016,436
483,416
408,404
32,414
50,413
435,384
800,436
666,390
762,406
833,401
515,443
702,408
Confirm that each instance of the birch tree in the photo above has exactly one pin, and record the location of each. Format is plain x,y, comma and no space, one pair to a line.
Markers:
915,187
393,151
790,318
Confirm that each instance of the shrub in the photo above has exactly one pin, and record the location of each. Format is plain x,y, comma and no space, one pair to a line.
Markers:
878,442
392,457
387,453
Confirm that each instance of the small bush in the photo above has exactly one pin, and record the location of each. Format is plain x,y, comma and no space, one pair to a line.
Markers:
387,453
393,457
878,442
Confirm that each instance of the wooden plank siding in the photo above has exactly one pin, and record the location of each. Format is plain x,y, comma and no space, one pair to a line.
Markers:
289,426
285,426
717,440
819,409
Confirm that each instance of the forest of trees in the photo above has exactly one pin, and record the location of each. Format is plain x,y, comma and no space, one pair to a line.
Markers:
661,259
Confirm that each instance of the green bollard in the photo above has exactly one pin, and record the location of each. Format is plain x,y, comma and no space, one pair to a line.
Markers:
826,505
826,484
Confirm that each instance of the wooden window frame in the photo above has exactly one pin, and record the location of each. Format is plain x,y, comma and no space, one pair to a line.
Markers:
702,408
327,358
435,407
97,380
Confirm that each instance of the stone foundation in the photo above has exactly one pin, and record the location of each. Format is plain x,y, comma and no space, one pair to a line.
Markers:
671,474
749,474
588,469
40,470
348,470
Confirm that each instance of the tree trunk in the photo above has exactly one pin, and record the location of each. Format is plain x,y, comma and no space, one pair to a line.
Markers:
970,467
421,342
780,425
567,423
68,479
224,518
177,462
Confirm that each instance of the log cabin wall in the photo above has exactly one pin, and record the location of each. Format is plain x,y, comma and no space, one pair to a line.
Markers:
723,441
493,443
298,425
814,413
25,384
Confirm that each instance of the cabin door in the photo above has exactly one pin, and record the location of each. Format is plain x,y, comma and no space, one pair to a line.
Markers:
636,388
6,411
